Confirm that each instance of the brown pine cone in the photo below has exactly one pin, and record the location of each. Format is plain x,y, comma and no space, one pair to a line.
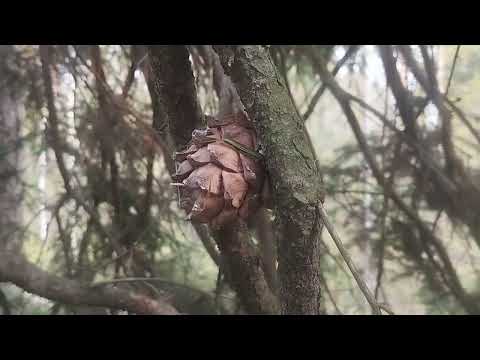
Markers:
219,182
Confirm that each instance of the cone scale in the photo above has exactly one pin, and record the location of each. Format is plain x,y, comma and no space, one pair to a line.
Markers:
219,175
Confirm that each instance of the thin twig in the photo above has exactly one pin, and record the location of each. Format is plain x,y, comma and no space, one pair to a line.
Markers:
376,308
452,69
349,53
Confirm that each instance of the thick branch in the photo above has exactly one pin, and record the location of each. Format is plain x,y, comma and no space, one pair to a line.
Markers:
168,147
16,269
159,121
296,183
246,271
400,92
175,87
174,83
230,103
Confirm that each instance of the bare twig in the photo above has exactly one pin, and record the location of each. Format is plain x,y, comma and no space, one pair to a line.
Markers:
376,309
348,54
452,70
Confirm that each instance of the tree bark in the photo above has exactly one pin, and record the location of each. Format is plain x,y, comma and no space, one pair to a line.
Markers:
174,84
294,175
16,269
246,270
267,243
230,103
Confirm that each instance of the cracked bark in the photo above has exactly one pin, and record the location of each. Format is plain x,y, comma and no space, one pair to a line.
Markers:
230,103
175,86
294,176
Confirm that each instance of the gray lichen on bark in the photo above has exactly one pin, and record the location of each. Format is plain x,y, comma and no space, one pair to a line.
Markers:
294,176
174,83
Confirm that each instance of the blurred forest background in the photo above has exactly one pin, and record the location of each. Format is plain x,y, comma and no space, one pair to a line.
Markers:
396,130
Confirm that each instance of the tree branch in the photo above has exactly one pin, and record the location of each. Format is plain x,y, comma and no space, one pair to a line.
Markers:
361,284
174,84
400,92
230,103
348,54
452,281
246,270
452,69
16,269
296,183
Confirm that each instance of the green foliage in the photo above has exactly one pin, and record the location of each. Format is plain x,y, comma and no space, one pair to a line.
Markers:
136,203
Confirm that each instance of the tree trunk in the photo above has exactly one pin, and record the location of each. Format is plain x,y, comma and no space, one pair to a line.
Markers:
174,84
294,175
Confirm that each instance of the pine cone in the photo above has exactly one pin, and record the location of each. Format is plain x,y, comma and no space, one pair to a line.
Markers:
219,182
